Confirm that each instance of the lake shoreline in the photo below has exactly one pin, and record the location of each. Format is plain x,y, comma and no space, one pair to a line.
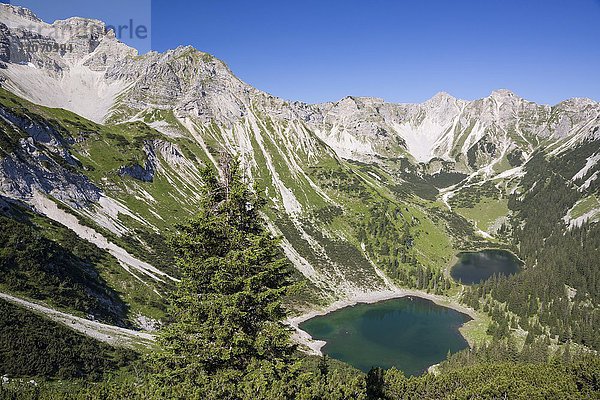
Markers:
314,346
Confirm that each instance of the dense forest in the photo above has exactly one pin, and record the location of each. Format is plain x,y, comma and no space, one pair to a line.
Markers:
557,295
499,380
388,239
31,345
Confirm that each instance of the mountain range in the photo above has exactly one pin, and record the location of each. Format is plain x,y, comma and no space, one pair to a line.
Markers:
100,141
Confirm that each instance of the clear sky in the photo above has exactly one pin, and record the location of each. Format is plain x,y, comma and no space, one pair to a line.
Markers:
400,50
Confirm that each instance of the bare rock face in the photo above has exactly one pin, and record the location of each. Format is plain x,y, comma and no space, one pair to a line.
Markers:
81,35
21,14
4,44
30,169
146,172
39,163
136,171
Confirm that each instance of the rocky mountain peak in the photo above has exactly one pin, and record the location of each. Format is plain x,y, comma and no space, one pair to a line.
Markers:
578,103
440,97
503,94
16,14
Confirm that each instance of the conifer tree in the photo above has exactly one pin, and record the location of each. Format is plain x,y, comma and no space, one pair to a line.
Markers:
226,313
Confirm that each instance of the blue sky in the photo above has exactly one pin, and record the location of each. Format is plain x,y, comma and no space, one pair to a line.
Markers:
402,51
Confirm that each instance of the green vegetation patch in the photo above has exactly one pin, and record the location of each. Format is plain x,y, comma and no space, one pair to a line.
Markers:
584,206
486,212
33,346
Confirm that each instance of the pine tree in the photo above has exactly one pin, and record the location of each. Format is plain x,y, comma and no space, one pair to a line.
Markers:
323,367
375,384
227,309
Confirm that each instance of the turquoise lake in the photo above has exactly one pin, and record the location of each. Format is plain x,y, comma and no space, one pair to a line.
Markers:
409,333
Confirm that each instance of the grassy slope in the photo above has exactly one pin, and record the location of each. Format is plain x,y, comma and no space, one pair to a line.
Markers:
585,206
486,212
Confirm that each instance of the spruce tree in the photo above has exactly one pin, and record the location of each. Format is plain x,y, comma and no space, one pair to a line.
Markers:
226,312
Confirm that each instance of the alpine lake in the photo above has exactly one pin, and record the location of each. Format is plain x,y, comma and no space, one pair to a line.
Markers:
474,267
410,333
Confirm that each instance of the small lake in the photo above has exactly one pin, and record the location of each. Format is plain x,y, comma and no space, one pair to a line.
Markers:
409,333
474,267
